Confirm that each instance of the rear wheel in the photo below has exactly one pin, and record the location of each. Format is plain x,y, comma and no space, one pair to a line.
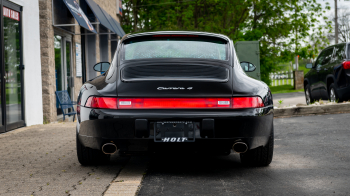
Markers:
308,95
333,97
88,156
261,156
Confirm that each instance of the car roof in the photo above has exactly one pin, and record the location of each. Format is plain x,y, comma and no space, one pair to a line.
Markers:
177,33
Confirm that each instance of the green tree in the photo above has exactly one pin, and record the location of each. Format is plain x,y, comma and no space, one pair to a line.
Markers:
280,25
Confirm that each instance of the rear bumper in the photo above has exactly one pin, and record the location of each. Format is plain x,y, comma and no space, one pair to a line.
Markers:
252,126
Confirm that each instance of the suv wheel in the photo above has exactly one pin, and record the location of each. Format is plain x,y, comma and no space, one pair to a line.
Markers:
261,156
332,94
307,95
88,156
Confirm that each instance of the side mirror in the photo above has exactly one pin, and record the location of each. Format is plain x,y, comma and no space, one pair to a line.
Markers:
248,67
102,67
309,66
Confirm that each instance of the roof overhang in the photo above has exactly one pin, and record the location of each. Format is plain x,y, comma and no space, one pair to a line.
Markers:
78,14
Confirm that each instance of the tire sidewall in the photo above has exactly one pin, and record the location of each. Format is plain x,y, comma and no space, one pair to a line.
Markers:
307,88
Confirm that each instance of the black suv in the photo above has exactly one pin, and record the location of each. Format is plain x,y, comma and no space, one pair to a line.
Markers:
329,77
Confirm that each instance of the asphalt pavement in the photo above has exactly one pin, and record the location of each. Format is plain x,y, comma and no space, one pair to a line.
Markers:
312,156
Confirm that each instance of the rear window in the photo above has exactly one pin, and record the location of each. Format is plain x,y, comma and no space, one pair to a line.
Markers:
175,46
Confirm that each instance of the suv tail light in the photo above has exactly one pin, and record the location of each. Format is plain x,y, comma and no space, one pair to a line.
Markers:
346,65
174,103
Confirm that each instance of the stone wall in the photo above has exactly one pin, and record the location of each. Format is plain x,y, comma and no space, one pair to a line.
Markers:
110,6
298,80
47,61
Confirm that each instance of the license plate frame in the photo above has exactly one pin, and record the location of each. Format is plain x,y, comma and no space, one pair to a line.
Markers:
174,131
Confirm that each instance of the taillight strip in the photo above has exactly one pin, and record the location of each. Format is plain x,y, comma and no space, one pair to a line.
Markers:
102,102
174,103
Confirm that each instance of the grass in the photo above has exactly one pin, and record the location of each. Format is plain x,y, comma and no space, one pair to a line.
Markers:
284,89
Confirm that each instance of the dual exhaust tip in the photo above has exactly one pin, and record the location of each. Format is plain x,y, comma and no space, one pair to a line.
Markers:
109,148
240,147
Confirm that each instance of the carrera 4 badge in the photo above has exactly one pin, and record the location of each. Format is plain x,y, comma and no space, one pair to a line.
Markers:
174,88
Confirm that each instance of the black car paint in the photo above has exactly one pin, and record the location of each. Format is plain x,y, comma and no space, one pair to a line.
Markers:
253,126
320,78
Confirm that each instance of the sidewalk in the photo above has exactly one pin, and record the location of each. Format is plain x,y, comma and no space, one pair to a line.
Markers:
289,99
42,160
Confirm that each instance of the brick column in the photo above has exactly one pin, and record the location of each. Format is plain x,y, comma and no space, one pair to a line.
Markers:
298,79
47,61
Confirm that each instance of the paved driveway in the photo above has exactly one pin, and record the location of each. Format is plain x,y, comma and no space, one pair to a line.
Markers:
41,160
312,157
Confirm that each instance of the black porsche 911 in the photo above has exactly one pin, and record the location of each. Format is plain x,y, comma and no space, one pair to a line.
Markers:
175,89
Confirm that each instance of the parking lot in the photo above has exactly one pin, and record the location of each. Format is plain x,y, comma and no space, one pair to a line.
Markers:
312,156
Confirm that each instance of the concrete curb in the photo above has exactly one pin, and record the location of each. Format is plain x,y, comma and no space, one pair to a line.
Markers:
312,110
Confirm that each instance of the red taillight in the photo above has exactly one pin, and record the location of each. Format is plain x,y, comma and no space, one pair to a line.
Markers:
247,102
190,103
102,102
173,103
346,65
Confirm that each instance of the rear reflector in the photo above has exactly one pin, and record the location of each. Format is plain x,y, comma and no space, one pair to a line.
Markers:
174,103
102,102
346,65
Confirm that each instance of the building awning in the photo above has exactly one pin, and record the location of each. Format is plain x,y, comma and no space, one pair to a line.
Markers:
79,15
117,28
122,33
98,12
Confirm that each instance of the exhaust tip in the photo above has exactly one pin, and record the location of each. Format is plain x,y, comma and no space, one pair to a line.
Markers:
240,147
109,148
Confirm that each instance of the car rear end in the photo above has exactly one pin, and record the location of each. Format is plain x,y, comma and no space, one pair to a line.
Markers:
342,75
179,90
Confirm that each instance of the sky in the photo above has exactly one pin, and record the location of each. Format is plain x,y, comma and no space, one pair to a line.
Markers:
342,4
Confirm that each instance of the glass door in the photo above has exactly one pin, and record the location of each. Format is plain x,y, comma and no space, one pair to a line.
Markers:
12,76
63,68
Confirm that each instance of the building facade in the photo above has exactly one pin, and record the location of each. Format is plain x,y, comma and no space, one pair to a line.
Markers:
20,72
74,36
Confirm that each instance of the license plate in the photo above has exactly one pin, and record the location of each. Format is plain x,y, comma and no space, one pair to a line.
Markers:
174,131
174,139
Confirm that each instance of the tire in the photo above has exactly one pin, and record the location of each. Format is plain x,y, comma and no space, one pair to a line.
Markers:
333,96
308,97
261,156
88,156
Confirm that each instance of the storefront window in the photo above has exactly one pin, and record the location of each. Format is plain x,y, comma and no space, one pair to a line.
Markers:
12,58
68,61
58,62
